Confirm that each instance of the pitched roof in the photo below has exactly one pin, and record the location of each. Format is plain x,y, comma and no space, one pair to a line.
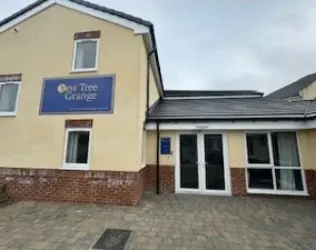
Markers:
294,88
81,2
99,8
231,108
204,93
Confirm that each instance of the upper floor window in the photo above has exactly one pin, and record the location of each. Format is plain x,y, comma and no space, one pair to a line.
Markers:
86,49
9,89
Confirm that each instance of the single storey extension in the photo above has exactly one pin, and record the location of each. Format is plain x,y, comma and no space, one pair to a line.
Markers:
85,117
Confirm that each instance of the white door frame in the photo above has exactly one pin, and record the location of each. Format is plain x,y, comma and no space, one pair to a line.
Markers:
201,165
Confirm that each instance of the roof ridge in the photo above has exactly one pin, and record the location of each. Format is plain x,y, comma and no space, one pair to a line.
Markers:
292,89
113,11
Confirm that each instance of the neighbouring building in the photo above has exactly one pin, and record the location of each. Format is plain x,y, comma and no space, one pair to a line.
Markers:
302,89
85,117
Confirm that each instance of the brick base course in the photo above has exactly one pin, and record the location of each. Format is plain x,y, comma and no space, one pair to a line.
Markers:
310,176
125,188
167,182
238,181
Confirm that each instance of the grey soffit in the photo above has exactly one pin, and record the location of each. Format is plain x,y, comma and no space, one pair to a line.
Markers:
294,88
238,108
100,8
203,93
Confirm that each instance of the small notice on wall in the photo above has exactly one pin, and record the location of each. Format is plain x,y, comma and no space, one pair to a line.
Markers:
165,146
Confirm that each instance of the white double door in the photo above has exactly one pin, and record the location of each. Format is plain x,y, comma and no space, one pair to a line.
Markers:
202,163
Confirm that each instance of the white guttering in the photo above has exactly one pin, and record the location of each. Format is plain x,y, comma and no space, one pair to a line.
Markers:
234,125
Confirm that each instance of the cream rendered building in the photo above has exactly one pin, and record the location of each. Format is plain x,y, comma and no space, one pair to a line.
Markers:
84,117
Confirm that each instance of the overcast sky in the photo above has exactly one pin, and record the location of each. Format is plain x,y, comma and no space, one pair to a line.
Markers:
225,44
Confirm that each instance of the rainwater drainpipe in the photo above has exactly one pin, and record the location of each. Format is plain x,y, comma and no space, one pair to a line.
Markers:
148,79
157,160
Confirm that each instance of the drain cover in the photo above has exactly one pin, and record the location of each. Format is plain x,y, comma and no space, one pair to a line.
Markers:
112,239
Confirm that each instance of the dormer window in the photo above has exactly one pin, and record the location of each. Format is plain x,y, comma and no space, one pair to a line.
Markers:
86,50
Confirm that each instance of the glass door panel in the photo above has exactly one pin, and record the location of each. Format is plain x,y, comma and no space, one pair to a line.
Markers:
189,172
214,162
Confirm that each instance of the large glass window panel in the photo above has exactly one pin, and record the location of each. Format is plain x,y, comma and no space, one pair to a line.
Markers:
289,179
260,178
257,148
285,151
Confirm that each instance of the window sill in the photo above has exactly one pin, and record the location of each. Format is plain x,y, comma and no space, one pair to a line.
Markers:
82,167
7,114
277,192
83,70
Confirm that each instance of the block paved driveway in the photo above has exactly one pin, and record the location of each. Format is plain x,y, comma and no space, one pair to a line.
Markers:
165,222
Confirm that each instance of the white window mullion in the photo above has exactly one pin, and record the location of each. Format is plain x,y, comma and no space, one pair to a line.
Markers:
271,155
201,161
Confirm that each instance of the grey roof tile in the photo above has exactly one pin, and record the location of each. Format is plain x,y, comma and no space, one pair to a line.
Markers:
294,88
238,108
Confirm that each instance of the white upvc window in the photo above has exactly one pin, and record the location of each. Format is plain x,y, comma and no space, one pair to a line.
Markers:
273,163
9,95
77,148
85,55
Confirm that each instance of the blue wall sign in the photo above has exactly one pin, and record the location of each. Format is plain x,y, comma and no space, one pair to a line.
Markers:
165,146
77,95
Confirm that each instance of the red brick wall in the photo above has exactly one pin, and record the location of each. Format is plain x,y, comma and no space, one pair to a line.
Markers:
109,187
167,182
124,188
238,181
310,176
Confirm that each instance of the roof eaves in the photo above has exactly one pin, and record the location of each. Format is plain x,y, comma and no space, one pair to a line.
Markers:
113,12
152,32
21,12
232,117
228,119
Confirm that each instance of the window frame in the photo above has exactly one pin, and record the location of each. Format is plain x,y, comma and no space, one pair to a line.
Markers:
76,166
11,113
73,69
273,167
